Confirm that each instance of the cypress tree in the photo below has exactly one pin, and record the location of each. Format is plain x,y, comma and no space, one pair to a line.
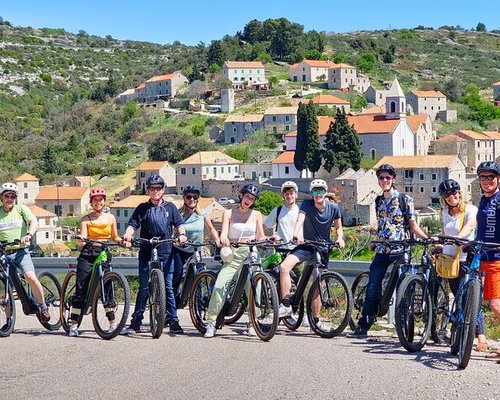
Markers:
313,151
299,159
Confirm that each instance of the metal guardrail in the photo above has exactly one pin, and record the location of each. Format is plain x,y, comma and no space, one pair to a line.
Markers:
128,265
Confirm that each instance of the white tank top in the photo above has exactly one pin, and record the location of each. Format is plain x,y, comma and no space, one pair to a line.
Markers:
242,230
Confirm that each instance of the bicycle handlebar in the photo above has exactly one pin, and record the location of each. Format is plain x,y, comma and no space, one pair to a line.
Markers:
462,241
407,242
103,244
3,245
198,244
154,241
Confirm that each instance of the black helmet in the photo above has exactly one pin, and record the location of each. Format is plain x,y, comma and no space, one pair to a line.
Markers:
489,166
191,189
155,180
447,185
252,189
386,168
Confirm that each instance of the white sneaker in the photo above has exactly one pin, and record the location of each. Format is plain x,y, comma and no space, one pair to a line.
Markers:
305,322
251,331
113,327
73,330
285,311
210,332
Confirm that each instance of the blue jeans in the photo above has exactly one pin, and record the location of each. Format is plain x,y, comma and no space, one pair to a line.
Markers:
378,268
143,293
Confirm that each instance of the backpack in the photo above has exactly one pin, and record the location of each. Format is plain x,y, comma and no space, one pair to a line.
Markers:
403,198
278,210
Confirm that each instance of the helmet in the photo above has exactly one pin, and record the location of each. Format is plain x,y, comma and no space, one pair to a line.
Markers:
386,168
191,189
97,192
252,189
288,185
318,183
155,180
9,187
447,185
489,166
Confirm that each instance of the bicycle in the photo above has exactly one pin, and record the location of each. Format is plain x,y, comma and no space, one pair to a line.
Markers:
335,295
394,275
107,296
262,299
466,308
157,296
422,303
10,279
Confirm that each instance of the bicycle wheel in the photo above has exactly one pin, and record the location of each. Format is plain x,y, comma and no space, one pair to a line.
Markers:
7,308
110,305
157,301
68,291
467,327
413,313
200,298
52,295
358,290
264,306
441,315
294,322
231,319
333,297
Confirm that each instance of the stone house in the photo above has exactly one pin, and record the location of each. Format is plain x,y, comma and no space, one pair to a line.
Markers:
256,171
29,187
420,176
161,168
344,77
163,86
310,70
376,96
204,166
245,73
239,127
429,102
64,201
278,121
48,232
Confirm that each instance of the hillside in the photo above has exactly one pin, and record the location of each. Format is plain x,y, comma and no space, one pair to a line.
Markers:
58,117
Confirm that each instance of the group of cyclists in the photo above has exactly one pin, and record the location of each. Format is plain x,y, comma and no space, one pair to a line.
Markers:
292,224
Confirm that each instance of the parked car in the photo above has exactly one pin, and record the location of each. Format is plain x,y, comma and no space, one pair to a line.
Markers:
225,201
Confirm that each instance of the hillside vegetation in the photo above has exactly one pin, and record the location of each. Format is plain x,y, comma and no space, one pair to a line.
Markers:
57,111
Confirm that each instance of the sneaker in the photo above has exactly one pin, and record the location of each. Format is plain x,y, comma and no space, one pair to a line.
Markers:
113,327
251,331
130,330
305,322
359,333
285,311
210,333
73,330
175,327
44,315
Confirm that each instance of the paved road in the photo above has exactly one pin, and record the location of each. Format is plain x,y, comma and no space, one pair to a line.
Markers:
37,364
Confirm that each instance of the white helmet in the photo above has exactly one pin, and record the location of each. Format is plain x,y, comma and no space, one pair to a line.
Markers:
317,183
288,185
9,187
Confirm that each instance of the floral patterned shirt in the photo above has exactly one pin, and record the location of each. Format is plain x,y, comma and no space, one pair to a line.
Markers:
392,224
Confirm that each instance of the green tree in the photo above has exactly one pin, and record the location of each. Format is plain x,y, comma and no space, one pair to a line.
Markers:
267,201
313,152
481,27
215,53
253,32
49,160
299,158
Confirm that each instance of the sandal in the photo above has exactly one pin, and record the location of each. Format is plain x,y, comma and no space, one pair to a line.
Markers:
493,355
482,347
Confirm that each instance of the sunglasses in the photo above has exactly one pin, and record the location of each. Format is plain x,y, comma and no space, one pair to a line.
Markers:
191,197
384,177
10,196
155,188
318,192
488,178
450,193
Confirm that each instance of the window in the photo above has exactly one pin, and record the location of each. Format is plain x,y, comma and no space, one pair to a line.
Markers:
433,177
421,177
46,235
234,129
221,170
125,213
71,208
275,118
215,171
183,171
193,171
25,185
118,226
287,128
287,118
408,173
421,189
25,195
434,189
373,153
118,213
143,174
287,170
229,169
408,189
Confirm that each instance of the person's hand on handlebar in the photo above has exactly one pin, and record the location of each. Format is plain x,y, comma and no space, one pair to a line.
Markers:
275,238
341,243
299,239
128,237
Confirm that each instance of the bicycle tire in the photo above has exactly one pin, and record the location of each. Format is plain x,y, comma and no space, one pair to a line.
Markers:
358,290
336,305
68,291
468,327
7,307
115,306
441,316
157,300
199,299
264,306
413,313
52,295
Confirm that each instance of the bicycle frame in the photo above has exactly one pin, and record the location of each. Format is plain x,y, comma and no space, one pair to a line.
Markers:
28,303
194,264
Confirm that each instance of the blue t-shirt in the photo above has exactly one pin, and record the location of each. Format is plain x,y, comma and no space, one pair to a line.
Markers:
194,225
155,221
488,225
317,224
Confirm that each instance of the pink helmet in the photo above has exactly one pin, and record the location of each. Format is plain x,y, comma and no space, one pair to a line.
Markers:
97,192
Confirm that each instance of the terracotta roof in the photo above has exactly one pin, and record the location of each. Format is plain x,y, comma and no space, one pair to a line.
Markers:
209,157
141,87
373,123
244,118
26,177
451,138
285,158
243,64
414,121
162,77
318,63
151,165
372,110
428,161
427,93
39,212
342,65
328,99
61,193
281,110
489,135
496,84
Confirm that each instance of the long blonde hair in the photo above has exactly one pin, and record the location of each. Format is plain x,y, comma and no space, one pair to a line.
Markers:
183,210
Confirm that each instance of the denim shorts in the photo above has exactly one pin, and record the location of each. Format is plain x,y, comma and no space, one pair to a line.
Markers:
307,253
22,260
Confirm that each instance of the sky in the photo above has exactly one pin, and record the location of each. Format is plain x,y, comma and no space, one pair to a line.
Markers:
193,22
